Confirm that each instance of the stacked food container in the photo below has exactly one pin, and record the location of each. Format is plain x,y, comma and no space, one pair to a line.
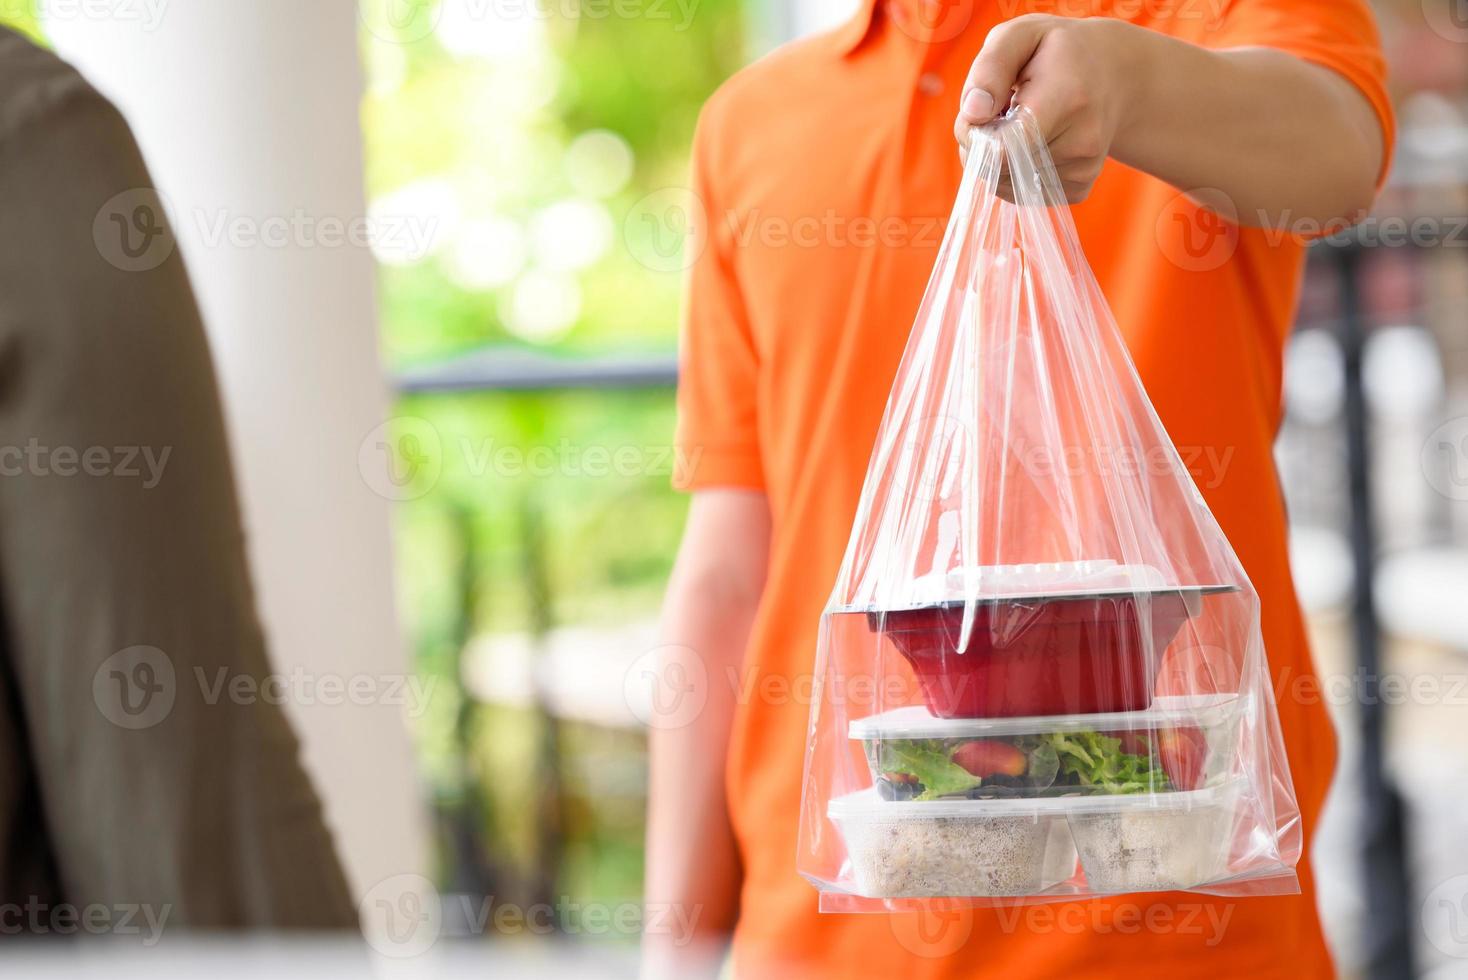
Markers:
1041,671
1041,740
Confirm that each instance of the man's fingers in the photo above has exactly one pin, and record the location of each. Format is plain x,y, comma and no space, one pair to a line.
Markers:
962,131
1076,191
1082,172
995,71
1057,99
977,106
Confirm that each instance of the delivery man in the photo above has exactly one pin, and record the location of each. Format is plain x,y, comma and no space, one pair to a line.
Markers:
1197,140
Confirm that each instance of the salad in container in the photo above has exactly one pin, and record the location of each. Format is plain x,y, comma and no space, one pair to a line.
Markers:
1178,744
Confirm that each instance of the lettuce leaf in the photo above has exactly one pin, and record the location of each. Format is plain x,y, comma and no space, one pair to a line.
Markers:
1097,760
1044,764
928,762
1090,758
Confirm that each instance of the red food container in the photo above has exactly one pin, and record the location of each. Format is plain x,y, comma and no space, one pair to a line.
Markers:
1040,655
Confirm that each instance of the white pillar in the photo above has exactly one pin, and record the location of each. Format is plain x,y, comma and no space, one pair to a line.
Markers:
248,114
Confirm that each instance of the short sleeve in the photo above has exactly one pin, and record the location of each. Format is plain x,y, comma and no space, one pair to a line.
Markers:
1337,34
717,434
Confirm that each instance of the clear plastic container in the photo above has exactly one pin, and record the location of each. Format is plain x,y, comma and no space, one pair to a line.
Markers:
1025,848
952,847
1178,744
1156,842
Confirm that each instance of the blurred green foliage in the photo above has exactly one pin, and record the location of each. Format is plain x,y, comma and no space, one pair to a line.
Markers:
608,537
495,131
522,530
20,15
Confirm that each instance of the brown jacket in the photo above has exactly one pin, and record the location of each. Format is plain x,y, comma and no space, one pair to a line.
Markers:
123,579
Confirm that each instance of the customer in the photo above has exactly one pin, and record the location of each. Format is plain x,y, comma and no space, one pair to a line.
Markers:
122,572
1272,112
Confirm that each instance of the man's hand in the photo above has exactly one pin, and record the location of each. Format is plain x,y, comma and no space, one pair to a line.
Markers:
1071,73
1259,135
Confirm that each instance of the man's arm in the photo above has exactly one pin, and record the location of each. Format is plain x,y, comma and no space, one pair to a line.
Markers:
692,861
126,583
1260,135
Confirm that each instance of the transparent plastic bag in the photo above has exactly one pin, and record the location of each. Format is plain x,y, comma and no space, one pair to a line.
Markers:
1040,674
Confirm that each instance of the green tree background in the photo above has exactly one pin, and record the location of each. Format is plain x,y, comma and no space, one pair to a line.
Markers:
496,145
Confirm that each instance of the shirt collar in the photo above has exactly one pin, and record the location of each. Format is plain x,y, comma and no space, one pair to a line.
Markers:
930,21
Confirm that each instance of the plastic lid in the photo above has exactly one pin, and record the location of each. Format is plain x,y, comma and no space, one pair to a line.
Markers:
1027,579
1044,580
916,721
866,804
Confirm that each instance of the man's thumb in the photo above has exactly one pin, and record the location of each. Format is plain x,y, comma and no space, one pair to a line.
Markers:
1006,51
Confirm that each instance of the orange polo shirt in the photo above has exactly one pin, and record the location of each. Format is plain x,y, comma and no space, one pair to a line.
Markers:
826,172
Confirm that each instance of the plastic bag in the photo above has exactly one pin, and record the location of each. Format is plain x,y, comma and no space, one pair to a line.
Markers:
1040,673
